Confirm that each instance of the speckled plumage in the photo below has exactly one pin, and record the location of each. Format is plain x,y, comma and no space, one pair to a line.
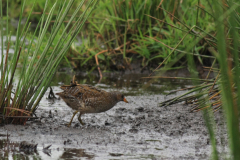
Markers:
88,99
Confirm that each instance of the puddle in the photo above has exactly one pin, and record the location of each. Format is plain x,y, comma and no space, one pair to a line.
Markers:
11,150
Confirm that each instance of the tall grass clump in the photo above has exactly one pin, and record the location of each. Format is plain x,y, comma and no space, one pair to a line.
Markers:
19,97
122,32
227,27
113,32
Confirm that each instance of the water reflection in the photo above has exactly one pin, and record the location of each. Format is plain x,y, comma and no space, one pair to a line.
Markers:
10,150
75,154
130,84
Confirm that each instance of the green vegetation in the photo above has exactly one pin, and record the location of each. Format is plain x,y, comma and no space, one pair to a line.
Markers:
135,31
122,32
224,89
161,35
19,102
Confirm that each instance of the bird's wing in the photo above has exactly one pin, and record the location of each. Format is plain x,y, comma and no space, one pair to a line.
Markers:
71,101
83,91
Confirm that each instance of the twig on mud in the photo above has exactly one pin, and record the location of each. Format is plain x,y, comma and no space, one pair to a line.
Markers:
51,94
46,150
20,110
47,147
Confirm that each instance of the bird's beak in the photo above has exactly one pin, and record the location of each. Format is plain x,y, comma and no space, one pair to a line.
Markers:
124,99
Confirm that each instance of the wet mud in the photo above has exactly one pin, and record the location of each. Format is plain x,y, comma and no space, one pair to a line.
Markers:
137,130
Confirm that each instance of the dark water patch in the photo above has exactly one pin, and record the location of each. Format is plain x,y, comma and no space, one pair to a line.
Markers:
130,84
12,150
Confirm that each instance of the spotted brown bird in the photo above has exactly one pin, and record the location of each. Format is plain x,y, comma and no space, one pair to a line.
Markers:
88,99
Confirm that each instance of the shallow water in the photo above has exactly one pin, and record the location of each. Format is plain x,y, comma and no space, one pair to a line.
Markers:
137,130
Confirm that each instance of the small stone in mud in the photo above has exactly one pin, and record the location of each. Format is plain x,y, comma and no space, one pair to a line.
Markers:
68,141
107,123
120,110
139,142
115,154
130,118
140,117
208,141
119,133
137,123
133,130
50,114
76,125
140,109
93,121
44,115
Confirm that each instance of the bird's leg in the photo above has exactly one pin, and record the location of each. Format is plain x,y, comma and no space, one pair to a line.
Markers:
69,124
80,120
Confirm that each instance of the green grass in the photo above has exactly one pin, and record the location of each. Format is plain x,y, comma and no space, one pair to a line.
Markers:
130,32
19,97
135,28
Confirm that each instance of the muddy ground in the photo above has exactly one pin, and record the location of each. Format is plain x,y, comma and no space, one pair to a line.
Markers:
137,130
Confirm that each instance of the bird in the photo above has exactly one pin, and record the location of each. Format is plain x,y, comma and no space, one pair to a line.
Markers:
85,98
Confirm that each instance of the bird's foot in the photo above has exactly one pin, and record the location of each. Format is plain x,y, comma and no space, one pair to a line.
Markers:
80,120
68,124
